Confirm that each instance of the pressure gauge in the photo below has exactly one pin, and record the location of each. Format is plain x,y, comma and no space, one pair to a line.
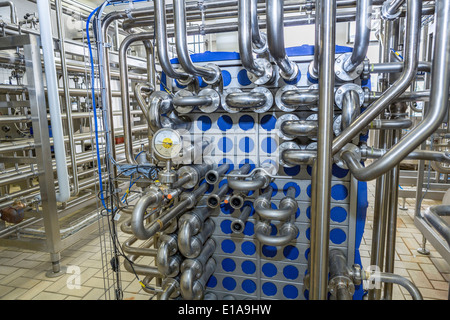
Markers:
167,143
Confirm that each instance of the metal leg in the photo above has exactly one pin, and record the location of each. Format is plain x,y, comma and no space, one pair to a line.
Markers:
403,207
423,250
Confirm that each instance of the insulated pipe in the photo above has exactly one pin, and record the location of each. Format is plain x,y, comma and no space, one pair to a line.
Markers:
238,224
438,101
246,100
212,176
53,100
350,108
209,74
126,114
321,172
300,97
288,206
362,35
299,128
245,38
161,41
13,11
190,245
214,200
275,38
153,197
396,279
433,215
414,8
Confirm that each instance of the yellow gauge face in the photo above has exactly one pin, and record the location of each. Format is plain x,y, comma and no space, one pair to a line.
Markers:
167,143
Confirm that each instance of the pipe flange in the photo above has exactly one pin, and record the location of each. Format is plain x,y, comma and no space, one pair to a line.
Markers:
269,99
183,93
337,128
224,98
312,117
192,172
385,12
187,81
349,147
285,146
280,121
163,98
342,90
340,72
215,100
341,281
264,48
268,75
279,102
217,76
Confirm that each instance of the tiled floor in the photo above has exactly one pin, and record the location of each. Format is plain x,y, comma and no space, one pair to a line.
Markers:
22,272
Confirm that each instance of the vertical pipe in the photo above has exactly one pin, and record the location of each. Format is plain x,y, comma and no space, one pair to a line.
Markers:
65,78
318,33
320,218
53,99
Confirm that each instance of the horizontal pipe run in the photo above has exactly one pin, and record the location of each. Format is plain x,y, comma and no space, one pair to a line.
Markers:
299,128
390,124
396,279
245,100
192,101
301,97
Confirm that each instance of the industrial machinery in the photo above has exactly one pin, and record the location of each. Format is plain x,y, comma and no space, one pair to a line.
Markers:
242,174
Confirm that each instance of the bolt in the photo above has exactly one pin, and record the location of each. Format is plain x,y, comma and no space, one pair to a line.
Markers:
338,72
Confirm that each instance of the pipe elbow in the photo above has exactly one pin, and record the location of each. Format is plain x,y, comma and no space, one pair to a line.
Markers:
152,198
288,232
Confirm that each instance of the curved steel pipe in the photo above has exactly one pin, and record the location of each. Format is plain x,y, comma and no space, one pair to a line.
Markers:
288,206
295,156
197,291
190,246
210,75
299,128
12,9
192,224
257,181
258,40
167,262
161,41
414,9
153,198
288,232
438,101
275,38
126,114
192,101
246,100
390,124
301,97
396,279
214,200
350,108
362,35
245,38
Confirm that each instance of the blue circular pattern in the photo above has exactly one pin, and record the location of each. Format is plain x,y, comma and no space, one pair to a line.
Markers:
242,78
308,191
273,230
339,192
269,145
248,203
290,272
227,161
307,253
210,188
308,212
204,123
269,251
268,122
245,161
246,145
290,252
225,226
226,208
339,172
246,122
212,282
308,234
248,248
269,269
249,229
248,267
292,184
309,170
274,189
201,83
269,289
290,291
229,283
225,144
224,123
338,214
292,171
337,236
226,78
248,286
228,265
228,246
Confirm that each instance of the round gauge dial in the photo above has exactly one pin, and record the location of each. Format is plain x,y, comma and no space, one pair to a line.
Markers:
167,143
